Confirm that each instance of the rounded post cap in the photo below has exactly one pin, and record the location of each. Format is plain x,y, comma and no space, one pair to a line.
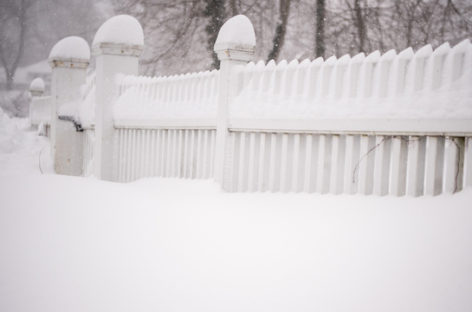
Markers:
70,51
119,35
37,85
236,39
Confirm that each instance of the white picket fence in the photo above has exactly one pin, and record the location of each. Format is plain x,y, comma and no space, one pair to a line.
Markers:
381,124
391,124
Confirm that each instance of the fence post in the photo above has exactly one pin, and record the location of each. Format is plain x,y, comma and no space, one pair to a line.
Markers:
36,90
117,46
69,59
235,46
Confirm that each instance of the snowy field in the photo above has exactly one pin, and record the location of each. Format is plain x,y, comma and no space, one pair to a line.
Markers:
79,244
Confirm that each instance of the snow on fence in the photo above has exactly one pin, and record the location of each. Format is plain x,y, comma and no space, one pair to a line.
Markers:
398,124
426,84
190,96
166,126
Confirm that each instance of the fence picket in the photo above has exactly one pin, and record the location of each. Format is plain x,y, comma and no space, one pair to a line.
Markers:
384,68
308,163
323,169
251,162
415,166
241,165
296,161
352,75
314,77
467,182
284,164
212,155
453,164
381,165
272,154
198,154
152,155
261,163
121,149
366,164
367,74
398,166
337,164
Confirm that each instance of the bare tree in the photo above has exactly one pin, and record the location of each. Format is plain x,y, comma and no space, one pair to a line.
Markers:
280,30
180,37
320,28
233,7
360,25
13,28
215,12
174,30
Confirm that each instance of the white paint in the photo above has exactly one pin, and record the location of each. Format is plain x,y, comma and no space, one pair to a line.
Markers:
112,57
233,52
69,59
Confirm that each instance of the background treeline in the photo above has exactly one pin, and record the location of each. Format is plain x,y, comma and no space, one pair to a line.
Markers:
179,34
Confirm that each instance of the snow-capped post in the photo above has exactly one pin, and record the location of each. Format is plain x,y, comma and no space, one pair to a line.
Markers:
37,87
117,46
36,90
69,59
235,46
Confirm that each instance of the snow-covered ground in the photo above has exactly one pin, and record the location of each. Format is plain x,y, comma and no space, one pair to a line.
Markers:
79,244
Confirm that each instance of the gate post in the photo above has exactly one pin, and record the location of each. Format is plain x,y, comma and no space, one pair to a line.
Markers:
117,46
235,47
36,90
69,59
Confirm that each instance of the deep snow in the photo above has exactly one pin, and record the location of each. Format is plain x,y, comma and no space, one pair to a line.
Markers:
79,244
